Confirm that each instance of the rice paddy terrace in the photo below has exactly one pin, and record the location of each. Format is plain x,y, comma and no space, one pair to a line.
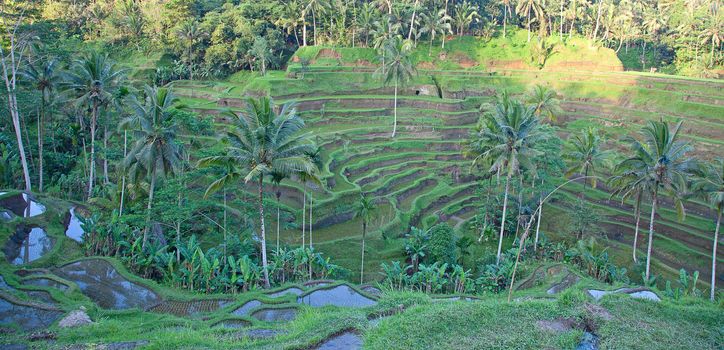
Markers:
421,177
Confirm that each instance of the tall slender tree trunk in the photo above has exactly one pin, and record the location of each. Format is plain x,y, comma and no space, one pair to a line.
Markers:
41,118
394,127
560,31
148,208
314,25
278,217
362,268
505,20
651,234
713,257
263,233
311,203
304,216
412,20
304,28
598,19
226,242
15,114
91,176
105,154
502,220
528,24
540,217
123,178
638,220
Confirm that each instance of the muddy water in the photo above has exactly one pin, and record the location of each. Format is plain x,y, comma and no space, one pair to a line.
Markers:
100,281
244,309
26,245
342,295
74,230
28,318
346,340
22,205
275,315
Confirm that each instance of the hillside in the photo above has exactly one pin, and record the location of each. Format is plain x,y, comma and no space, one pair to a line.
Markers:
421,176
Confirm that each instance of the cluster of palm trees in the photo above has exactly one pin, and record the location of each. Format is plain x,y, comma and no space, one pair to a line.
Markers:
507,141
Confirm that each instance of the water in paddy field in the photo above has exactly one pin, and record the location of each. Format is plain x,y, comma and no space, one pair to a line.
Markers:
291,290
244,309
346,340
342,295
74,230
102,283
27,245
28,318
275,315
22,205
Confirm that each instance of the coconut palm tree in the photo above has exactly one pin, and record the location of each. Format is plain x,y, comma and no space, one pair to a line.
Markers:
190,34
585,155
398,69
662,164
506,140
625,184
91,82
710,184
382,33
437,22
537,7
465,14
156,153
545,101
262,141
365,21
44,78
365,207
712,34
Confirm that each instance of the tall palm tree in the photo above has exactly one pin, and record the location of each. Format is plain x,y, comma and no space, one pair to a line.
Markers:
710,184
365,21
398,69
537,7
465,14
263,141
44,78
506,140
91,81
506,12
625,183
545,101
155,154
190,34
434,23
662,163
364,211
712,34
382,34
585,155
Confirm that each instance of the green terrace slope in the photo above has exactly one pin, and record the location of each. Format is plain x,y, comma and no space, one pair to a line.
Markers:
421,177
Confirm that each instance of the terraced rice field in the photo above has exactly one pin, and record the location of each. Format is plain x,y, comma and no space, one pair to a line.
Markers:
421,177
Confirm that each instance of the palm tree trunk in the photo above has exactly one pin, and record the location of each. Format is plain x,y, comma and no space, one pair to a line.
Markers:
412,20
148,208
537,224
362,269
105,154
638,219
123,178
314,24
505,20
263,233
598,19
304,215
41,116
94,119
713,257
13,106
394,127
528,24
561,29
651,235
502,220
304,28
225,231
311,197
278,218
